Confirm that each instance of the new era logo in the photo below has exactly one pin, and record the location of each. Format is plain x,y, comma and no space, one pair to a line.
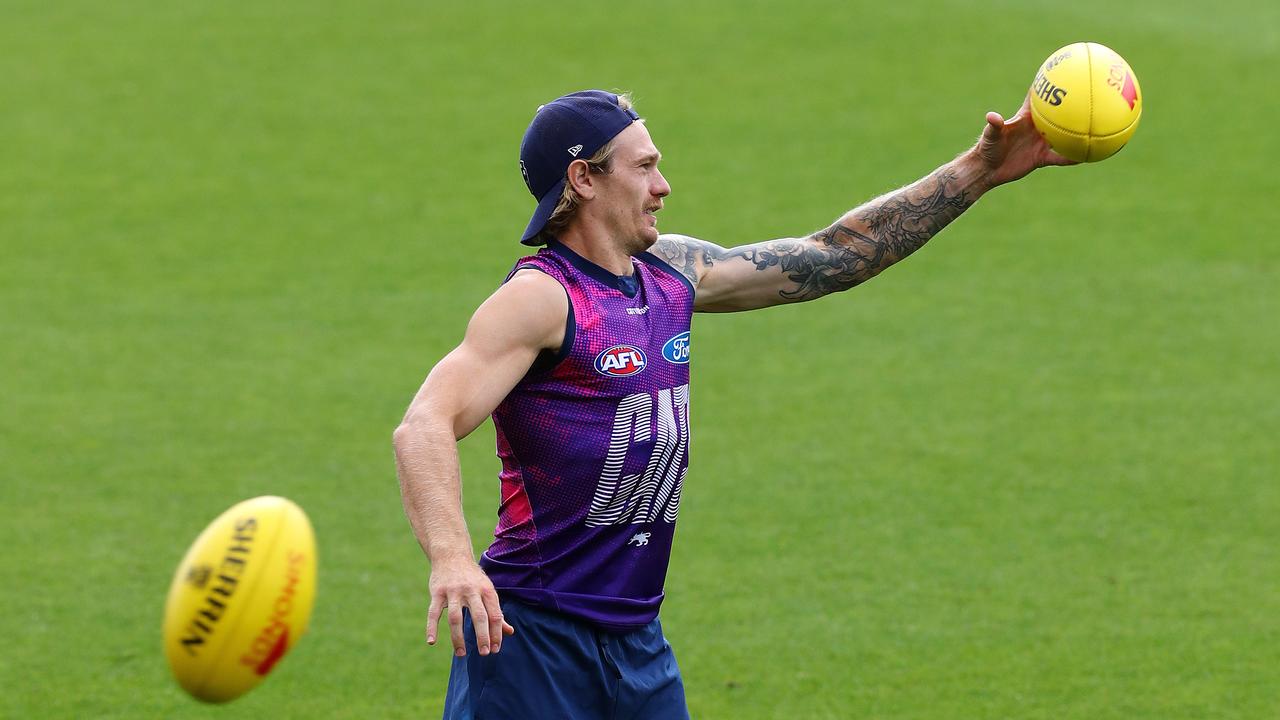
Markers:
575,150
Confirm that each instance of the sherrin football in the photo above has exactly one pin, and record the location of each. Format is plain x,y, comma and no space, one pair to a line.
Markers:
1086,101
241,598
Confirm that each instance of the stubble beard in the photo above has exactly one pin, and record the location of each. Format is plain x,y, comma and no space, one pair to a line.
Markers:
642,242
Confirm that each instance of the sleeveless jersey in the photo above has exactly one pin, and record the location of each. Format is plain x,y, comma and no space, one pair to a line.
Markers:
595,446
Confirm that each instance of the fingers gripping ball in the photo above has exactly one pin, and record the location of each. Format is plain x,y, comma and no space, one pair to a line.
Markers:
1086,102
241,598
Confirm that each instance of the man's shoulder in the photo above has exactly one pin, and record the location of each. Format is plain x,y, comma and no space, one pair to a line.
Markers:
530,306
681,253
533,285
671,246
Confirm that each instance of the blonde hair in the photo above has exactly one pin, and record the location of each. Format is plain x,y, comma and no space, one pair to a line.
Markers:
570,200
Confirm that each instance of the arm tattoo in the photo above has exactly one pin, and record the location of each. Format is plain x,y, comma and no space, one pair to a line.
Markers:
855,249
865,241
689,255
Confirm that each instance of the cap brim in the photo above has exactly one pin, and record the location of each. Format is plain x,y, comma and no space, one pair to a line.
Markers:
546,207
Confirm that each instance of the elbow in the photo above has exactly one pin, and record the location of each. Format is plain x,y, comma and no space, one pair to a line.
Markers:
401,442
416,427
407,442
412,427
400,436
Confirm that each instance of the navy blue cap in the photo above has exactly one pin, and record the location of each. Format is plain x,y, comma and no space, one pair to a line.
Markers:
565,129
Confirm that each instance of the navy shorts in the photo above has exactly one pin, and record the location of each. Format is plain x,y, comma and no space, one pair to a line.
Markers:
558,667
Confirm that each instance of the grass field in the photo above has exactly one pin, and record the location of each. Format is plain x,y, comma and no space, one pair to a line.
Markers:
1030,473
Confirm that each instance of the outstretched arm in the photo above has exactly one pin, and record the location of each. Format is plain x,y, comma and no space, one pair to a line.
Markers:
865,240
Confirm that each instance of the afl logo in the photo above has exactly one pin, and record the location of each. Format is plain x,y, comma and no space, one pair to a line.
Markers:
620,361
677,349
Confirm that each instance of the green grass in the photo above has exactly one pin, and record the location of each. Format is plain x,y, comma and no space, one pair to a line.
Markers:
1031,473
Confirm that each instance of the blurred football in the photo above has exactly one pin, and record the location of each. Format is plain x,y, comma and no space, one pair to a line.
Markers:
241,598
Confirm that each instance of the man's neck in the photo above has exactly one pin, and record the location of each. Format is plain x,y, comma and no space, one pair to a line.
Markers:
596,248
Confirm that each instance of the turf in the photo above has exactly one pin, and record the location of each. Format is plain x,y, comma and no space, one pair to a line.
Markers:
1030,473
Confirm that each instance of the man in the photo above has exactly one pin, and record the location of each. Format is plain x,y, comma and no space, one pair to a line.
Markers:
581,357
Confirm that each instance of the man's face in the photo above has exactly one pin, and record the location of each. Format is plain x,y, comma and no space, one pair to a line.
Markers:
632,191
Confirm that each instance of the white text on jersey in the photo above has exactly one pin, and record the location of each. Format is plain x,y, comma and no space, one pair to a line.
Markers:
644,497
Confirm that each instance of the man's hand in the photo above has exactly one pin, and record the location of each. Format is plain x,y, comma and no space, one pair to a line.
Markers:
458,584
1010,149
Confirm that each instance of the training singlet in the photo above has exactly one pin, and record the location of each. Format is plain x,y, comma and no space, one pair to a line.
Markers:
594,445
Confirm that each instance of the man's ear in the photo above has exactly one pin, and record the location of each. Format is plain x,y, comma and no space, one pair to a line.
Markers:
581,179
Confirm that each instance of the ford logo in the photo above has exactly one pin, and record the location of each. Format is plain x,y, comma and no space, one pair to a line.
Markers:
677,349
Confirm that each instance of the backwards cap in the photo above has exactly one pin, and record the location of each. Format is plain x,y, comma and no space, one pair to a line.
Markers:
565,129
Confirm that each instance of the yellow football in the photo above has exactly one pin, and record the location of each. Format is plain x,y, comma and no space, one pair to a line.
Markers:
1086,102
241,598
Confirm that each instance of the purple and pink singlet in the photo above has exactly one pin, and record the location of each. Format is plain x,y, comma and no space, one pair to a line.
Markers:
594,445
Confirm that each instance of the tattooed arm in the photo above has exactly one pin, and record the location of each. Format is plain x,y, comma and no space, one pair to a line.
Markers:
856,248
865,240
